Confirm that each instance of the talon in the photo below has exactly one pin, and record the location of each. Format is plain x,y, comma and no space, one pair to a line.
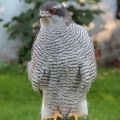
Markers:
55,116
76,116
73,115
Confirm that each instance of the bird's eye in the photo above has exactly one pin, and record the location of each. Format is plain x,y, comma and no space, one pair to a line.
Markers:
52,11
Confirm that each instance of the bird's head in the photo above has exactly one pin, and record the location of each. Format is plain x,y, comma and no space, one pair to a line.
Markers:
53,12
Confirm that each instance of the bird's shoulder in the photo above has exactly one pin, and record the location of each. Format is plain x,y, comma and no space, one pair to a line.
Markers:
80,28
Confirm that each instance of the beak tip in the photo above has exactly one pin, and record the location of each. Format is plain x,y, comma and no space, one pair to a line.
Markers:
39,17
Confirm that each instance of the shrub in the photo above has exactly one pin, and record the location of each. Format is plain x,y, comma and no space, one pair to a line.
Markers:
25,25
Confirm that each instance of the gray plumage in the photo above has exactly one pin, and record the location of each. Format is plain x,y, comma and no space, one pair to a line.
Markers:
63,62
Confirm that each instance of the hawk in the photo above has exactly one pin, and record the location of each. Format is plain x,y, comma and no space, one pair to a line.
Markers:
62,64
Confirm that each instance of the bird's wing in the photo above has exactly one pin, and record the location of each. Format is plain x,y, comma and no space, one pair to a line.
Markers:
38,71
87,62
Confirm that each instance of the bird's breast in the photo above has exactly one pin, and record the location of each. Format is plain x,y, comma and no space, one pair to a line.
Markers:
61,49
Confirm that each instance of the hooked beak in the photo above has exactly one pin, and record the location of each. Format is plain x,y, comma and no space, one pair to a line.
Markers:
39,16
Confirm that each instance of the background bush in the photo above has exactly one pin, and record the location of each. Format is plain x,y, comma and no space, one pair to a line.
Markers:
26,24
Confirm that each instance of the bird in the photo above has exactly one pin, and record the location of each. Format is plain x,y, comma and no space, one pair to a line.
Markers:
62,64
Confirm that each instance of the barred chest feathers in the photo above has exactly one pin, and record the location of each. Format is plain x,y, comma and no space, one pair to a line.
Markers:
57,53
60,42
63,63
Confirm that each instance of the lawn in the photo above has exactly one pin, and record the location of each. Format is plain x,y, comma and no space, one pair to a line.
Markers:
19,102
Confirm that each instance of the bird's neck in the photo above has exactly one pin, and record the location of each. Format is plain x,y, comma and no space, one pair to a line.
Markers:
53,22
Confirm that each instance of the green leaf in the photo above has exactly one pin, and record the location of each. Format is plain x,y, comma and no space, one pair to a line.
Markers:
92,1
6,25
1,19
97,12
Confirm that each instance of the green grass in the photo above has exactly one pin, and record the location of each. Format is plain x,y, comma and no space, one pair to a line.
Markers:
104,96
19,102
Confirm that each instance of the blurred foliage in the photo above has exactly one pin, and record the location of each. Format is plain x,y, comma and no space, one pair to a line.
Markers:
1,20
25,25
16,67
3,65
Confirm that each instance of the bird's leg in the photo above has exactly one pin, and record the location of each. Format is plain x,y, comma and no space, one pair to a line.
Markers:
55,116
76,116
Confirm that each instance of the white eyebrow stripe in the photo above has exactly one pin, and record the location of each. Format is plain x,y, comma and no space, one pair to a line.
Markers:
57,6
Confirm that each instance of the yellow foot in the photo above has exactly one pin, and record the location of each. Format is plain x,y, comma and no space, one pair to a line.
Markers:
55,116
76,116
